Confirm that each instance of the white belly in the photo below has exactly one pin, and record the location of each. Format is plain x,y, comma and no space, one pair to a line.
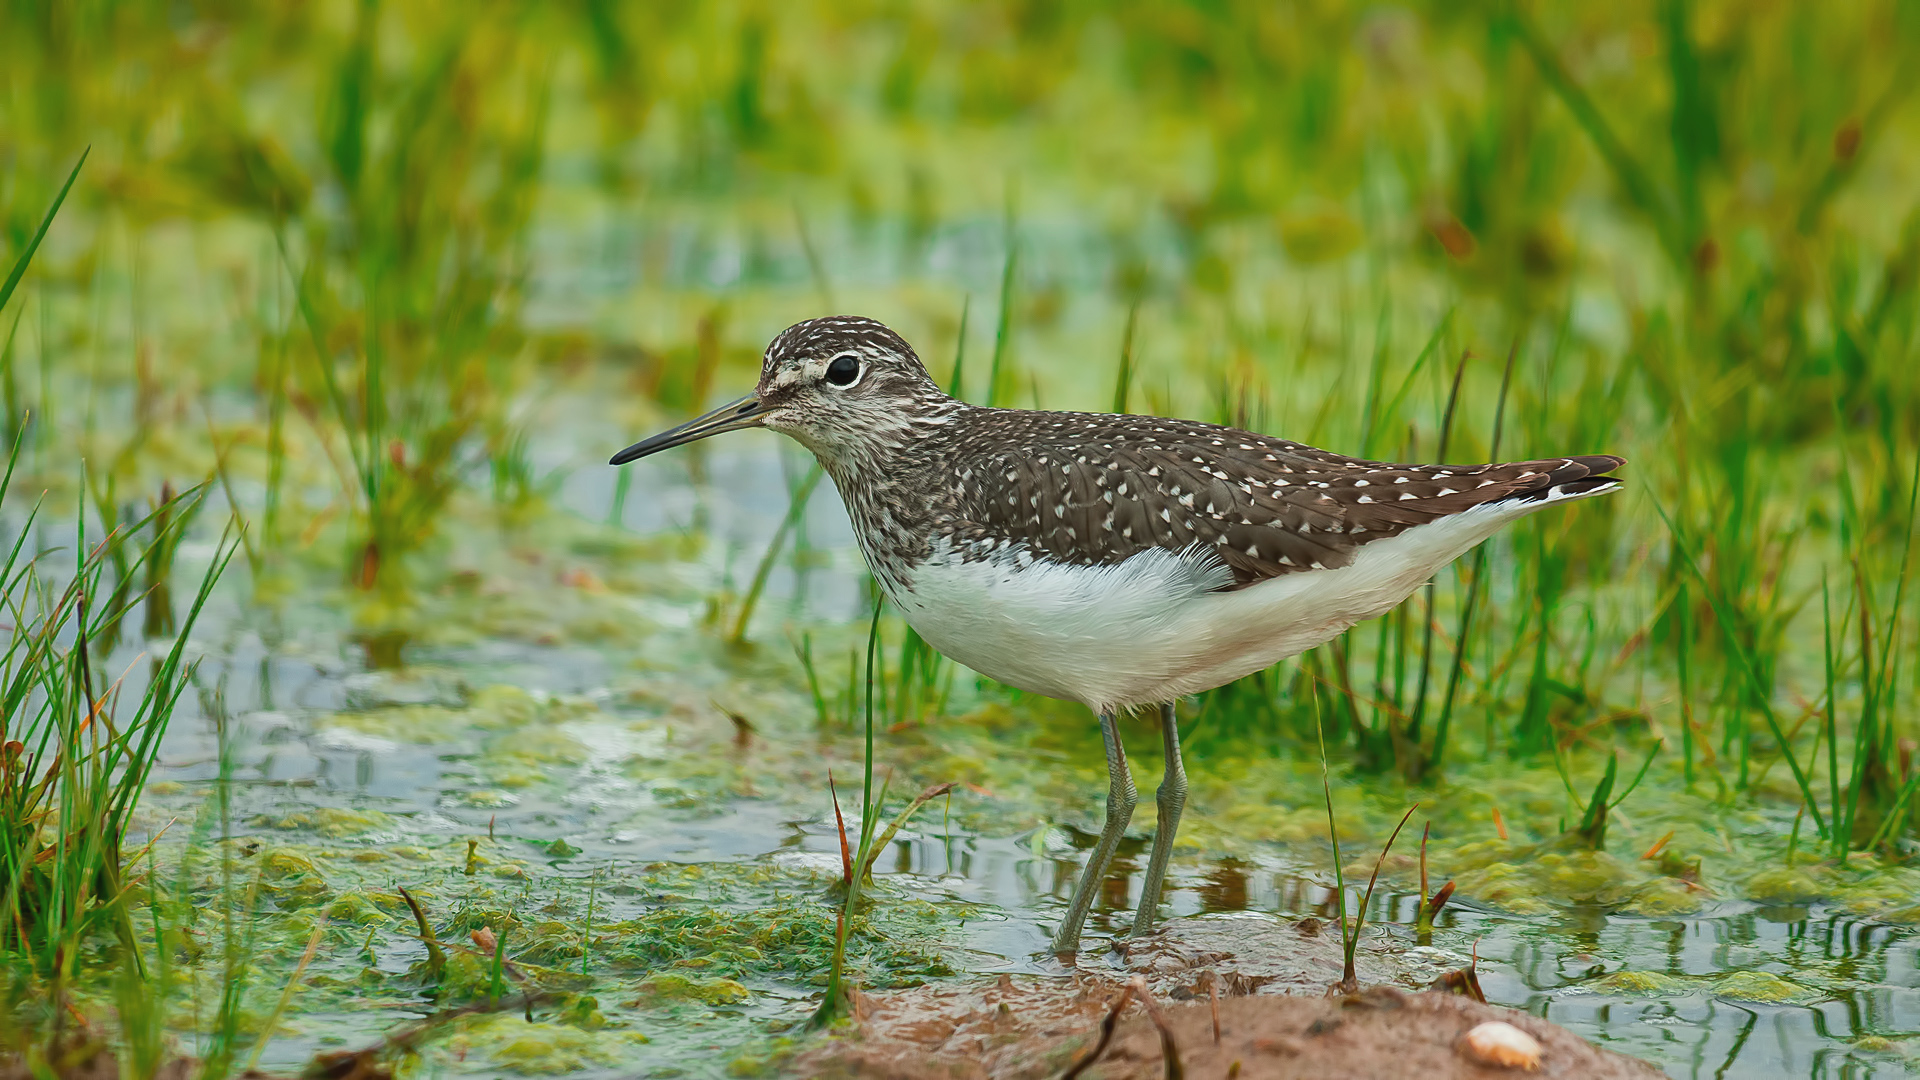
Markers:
1154,628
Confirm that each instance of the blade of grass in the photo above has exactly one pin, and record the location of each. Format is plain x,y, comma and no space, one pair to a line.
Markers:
1004,324
1426,354
1348,977
1333,832
286,995
1739,649
1429,760
26,256
1123,382
893,827
1832,709
833,1004
955,379
796,506
1626,168
815,267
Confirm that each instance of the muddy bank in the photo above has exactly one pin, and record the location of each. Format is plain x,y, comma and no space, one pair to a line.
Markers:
1005,1031
1238,997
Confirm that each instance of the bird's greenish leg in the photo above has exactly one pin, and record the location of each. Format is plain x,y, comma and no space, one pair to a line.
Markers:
1171,799
1121,797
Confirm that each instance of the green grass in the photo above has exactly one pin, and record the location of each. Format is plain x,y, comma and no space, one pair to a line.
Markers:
78,745
74,751
355,261
859,855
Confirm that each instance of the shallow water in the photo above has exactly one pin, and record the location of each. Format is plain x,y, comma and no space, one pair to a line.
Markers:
644,778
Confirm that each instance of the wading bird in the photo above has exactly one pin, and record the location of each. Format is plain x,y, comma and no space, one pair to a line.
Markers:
1114,560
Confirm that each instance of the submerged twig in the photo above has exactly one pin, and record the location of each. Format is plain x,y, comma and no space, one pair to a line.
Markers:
359,1064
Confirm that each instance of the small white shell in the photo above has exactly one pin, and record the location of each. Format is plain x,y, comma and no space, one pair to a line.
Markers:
1501,1045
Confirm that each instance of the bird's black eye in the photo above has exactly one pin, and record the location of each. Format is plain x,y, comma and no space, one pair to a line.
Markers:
844,369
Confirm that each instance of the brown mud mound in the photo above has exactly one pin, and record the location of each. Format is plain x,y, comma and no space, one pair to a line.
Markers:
1011,1032
1266,980
1383,1033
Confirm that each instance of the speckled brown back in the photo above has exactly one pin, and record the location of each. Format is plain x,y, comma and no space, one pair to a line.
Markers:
1094,489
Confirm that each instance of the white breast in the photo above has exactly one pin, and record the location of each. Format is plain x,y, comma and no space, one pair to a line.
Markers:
1154,627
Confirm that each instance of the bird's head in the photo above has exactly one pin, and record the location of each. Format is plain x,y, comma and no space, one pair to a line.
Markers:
838,385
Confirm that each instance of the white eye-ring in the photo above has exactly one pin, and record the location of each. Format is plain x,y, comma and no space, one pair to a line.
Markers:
844,370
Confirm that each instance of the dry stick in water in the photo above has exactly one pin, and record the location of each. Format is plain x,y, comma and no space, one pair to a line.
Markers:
1169,1053
1213,1001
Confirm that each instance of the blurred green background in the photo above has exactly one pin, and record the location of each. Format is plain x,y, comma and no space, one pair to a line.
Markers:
388,270
366,258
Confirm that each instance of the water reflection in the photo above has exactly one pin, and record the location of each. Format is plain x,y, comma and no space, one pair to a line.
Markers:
1224,886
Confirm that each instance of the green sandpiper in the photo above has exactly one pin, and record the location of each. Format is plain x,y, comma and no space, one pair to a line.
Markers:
1115,560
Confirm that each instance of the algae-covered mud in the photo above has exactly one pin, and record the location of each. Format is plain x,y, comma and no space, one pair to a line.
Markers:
358,719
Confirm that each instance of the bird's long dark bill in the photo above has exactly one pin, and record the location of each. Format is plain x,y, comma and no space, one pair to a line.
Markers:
745,413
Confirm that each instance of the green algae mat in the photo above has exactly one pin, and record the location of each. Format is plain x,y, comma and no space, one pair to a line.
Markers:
352,701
